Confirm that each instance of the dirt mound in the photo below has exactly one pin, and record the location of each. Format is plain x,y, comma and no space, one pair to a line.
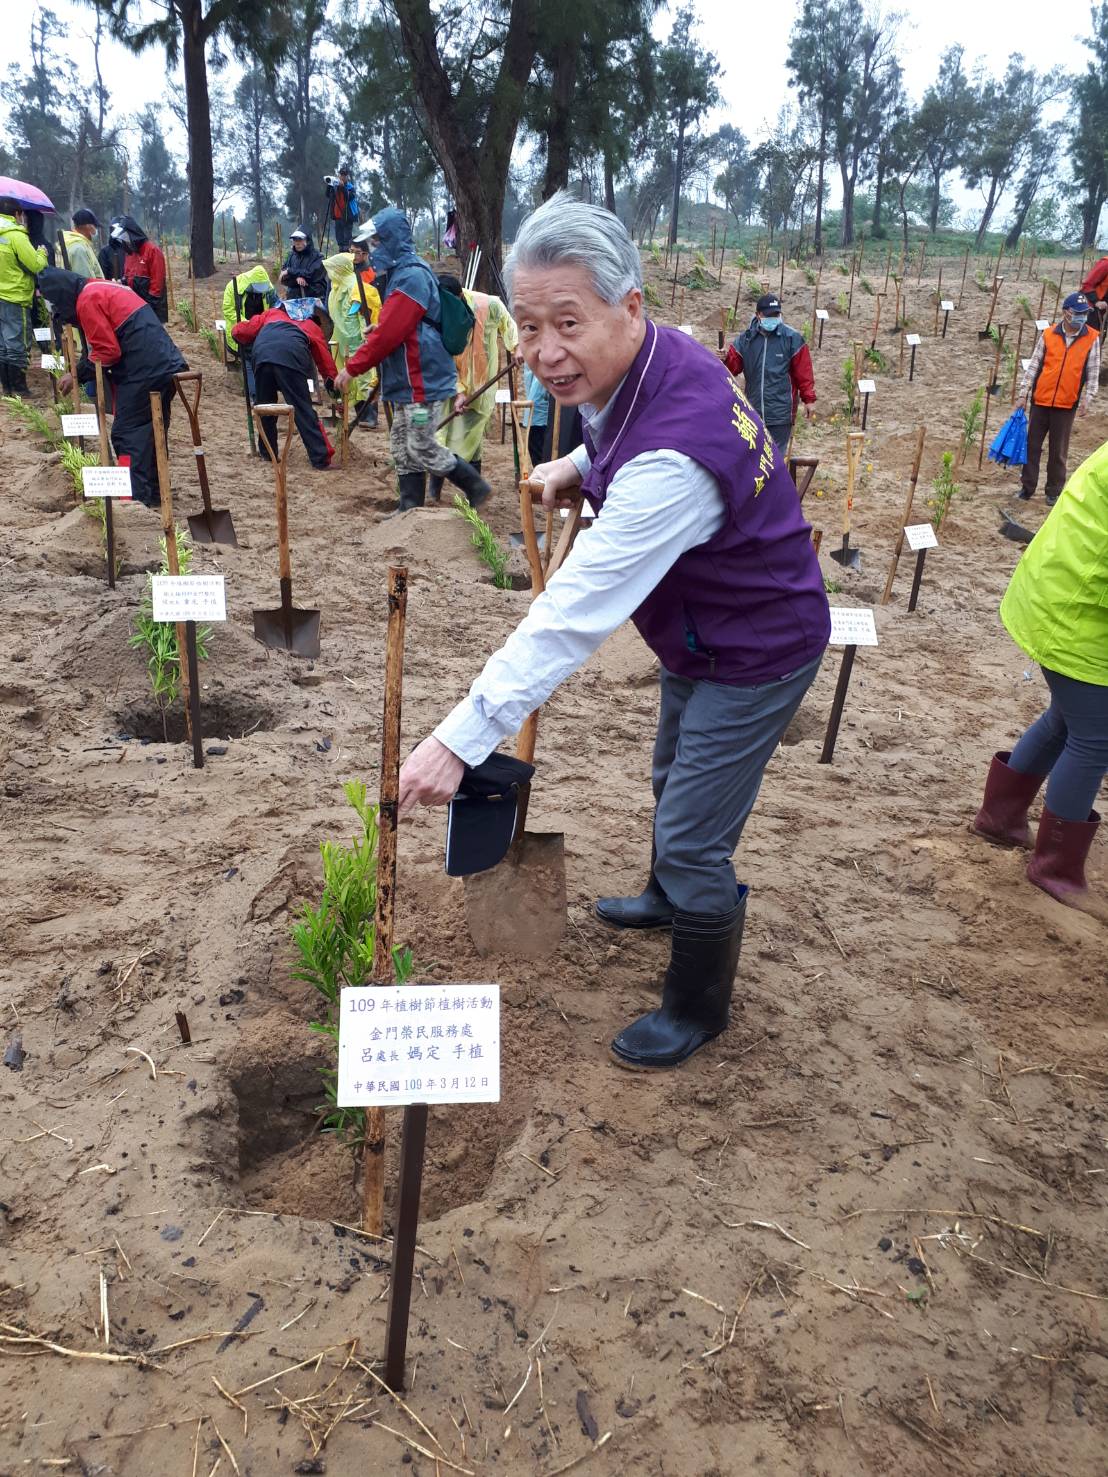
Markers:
437,538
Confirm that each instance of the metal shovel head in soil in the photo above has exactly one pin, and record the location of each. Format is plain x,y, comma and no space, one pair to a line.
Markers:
846,556
213,525
286,628
519,907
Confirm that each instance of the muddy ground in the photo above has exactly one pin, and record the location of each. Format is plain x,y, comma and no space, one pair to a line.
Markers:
863,1233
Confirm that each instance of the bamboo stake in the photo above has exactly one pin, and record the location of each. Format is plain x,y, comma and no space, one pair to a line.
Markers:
850,300
965,269
168,275
373,1159
169,528
917,458
1016,369
988,401
1058,294
235,228
1042,300
938,299
888,267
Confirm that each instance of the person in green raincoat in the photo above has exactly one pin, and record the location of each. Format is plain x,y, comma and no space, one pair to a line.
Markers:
477,363
245,296
344,303
1056,610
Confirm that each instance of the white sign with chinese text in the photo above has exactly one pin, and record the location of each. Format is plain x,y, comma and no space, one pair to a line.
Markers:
188,597
852,627
503,397
912,339
106,481
51,361
1042,324
685,328
921,536
822,313
401,1044
42,335
947,306
867,387
220,325
80,425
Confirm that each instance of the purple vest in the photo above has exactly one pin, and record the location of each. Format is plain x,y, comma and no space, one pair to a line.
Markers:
748,606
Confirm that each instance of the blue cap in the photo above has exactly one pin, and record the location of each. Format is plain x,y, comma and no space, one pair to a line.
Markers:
1077,302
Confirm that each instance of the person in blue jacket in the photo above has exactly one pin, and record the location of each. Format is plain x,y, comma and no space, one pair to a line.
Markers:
417,371
342,206
777,367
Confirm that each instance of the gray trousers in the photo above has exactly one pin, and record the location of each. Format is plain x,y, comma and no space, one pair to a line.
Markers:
413,447
714,742
15,334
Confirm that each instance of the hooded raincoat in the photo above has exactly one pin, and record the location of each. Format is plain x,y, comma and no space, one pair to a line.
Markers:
416,369
1056,604
309,265
143,265
345,307
82,254
476,364
19,261
240,284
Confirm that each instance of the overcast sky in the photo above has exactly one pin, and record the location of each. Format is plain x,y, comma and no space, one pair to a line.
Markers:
751,47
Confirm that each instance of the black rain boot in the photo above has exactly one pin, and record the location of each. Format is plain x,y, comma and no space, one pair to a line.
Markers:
434,491
411,486
651,909
5,378
17,378
696,992
470,481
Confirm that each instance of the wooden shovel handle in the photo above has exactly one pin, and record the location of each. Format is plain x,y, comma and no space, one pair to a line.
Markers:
279,466
194,379
102,415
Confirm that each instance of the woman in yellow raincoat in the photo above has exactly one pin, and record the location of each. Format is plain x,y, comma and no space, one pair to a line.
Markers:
477,363
344,303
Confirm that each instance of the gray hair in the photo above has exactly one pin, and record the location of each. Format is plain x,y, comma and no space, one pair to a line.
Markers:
565,231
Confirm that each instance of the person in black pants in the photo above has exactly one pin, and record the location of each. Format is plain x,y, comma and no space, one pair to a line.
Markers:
288,344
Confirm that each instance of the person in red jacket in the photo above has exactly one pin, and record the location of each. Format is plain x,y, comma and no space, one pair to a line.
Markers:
287,342
120,332
143,265
1095,288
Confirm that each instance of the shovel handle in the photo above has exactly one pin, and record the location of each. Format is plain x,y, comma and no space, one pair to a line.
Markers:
854,443
530,538
195,379
279,465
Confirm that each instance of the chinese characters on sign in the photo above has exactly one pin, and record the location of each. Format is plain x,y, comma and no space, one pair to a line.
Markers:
42,335
52,361
188,597
106,481
80,425
921,536
852,627
401,1044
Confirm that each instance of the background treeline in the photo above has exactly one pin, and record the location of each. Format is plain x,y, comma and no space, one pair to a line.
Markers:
492,108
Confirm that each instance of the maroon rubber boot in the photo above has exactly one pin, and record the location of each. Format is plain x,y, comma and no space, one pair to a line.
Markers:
1002,818
1061,848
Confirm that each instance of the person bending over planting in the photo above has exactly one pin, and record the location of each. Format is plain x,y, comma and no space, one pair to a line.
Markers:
700,540
286,341
416,368
138,357
1056,610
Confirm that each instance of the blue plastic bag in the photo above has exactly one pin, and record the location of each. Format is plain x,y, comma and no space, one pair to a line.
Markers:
1009,447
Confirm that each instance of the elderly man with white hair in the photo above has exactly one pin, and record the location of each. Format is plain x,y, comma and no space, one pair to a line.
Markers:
700,540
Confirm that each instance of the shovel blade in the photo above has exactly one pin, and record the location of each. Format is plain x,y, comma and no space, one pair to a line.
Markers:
848,558
519,907
300,635
215,527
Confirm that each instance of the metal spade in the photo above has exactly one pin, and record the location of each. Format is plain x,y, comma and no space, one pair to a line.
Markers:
213,525
285,629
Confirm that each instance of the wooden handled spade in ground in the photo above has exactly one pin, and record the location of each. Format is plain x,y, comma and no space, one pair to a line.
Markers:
213,525
846,556
186,630
519,907
285,629
105,461
917,458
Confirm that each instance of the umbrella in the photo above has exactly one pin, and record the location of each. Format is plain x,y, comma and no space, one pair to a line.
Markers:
23,194
1009,449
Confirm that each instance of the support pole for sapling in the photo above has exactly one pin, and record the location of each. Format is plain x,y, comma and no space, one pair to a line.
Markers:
921,555
1016,367
832,734
914,478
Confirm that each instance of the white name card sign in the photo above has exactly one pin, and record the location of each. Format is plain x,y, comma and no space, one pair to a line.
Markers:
42,335
921,536
503,397
401,1044
1025,363
220,325
852,626
1042,324
106,481
947,305
188,597
685,328
80,425
822,313
867,387
51,361
912,340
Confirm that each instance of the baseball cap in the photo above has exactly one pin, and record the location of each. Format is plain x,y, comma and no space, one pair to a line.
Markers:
365,235
481,821
85,218
769,302
298,235
1077,302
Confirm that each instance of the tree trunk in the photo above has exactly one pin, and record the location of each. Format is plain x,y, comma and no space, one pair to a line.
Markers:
678,171
609,183
986,219
847,236
936,198
817,240
200,169
559,128
878,189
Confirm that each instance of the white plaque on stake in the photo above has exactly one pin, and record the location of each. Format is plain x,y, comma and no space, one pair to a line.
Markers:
80,425
822,313
42,335
1026,363
1042,324
401,1044
503,397
852,626
685,328
188,597
912,340
51,361
867,387
106,481
946,305
920,536
220,325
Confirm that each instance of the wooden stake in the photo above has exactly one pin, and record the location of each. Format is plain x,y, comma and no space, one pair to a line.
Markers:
169,528
888,267
876,322
1016,369
235,228
914,478
168,276
373,1160
985,423
105,461
850,300
965,269
938,299
1058,294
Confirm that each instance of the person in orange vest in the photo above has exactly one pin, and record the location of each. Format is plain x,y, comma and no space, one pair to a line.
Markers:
1061,380
1095,288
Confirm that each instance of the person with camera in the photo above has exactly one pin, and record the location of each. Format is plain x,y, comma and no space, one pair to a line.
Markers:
342,205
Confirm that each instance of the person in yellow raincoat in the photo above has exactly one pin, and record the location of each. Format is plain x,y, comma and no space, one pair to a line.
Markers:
245,296
477,363
344,303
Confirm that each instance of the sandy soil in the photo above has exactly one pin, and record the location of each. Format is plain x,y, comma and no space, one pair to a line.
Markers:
861,1234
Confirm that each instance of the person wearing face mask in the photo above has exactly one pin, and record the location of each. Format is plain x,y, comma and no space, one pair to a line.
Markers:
1061,382
777,366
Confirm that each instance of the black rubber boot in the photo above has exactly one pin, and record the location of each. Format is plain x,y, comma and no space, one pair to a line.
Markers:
411,486
696,992
651,909
469,479
434,489
17,378
5,379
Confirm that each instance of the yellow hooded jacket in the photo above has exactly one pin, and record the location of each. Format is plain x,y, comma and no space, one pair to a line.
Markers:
254,276
344,304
